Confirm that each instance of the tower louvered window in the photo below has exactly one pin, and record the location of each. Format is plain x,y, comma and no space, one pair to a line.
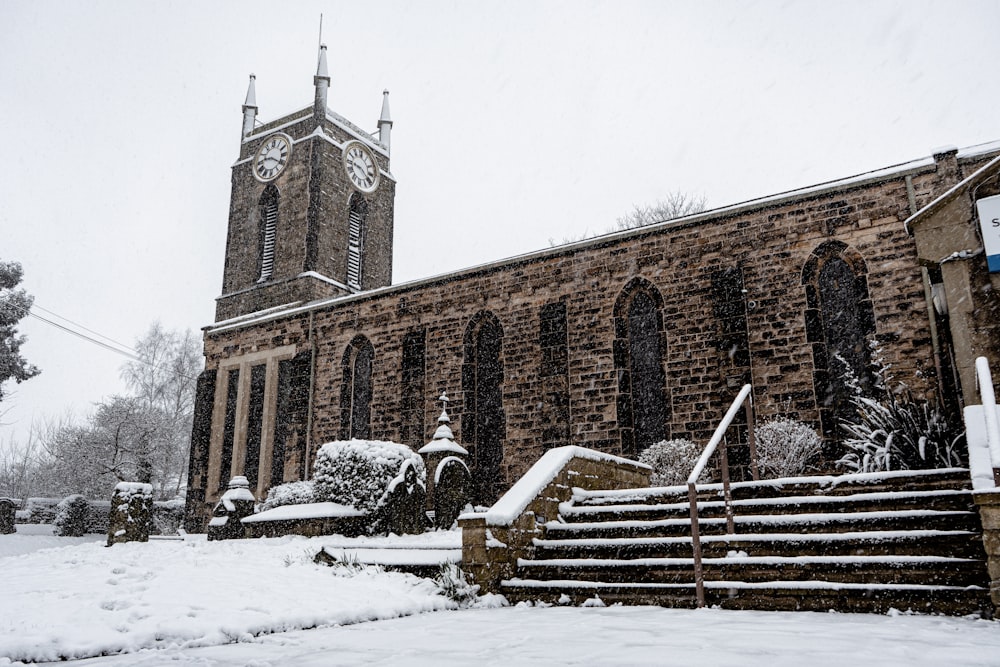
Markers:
355,239
268,232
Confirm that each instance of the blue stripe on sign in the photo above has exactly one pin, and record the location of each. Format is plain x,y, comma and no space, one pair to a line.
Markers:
993,261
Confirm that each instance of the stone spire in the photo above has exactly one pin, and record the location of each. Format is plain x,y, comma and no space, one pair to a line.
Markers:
443,439
250,107
385,127
322,83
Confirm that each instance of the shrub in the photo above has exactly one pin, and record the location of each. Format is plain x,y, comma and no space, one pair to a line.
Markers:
899,433
168,516
786,447
292,493
672,461
357,472
453,583
71,516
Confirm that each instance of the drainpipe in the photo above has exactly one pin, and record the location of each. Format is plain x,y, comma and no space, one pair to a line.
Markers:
306,468
928,298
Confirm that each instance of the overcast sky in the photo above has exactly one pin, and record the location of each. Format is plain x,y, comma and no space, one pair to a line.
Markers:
515,122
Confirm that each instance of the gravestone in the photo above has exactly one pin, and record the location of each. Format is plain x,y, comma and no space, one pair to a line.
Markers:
403,511
131,513
236,503
452,491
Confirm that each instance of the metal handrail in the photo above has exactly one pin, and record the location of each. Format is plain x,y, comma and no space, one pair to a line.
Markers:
985,381
719,437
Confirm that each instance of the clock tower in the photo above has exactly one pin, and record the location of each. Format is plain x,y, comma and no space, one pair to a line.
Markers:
311,211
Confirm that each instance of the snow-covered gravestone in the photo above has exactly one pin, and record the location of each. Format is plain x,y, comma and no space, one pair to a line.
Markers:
443,447
6,516
131,513
236,503
402,511
452,491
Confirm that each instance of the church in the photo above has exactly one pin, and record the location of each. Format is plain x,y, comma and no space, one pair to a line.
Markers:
613,343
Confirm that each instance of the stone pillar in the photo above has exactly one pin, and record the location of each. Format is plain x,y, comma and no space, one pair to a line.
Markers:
441,446
131,513
236,503
7,509
989,514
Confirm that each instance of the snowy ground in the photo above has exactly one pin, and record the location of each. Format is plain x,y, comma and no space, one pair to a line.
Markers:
247,603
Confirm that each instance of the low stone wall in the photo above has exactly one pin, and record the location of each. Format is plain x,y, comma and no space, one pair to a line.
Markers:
493,541
313,527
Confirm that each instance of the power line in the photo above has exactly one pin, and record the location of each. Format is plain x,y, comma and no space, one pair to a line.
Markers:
35,306
86,337
126,352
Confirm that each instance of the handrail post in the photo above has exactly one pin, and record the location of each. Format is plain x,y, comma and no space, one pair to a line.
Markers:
718,437
751,437
699,575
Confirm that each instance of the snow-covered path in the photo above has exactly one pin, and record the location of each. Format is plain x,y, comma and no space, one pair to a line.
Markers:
245,602
611,636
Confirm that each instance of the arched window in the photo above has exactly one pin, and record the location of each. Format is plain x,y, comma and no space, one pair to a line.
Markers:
639,347
356,218
356,390
483,420
268,215
839,323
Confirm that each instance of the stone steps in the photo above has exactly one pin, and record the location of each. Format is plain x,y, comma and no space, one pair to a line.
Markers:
853,543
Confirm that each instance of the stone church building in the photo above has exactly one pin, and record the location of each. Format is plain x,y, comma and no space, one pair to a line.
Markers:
613,343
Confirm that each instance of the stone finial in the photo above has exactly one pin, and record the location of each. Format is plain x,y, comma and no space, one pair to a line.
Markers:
385,124
443,439
250,107
322,83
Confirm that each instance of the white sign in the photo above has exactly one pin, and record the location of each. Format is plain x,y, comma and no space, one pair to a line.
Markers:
989,224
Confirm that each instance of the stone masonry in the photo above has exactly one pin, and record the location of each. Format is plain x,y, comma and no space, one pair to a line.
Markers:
769,242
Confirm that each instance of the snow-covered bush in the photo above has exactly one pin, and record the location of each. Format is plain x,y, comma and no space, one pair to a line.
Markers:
41,510
899,433
291,493
672,461
786,447
71,516
168,516
357,472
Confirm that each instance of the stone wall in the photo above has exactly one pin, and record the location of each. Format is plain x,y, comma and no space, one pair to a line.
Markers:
768,243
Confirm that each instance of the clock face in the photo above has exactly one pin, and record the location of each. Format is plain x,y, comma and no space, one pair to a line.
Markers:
361,166
272,156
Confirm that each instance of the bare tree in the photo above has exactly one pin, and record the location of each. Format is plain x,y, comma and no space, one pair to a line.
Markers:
674,205
140,437
19,466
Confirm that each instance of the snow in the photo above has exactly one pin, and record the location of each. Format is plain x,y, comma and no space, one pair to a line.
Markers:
867,536
133,489
823,481
526,489
248,602
443,445
304,511
532,635
767,519
980,456
87,599
34,537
